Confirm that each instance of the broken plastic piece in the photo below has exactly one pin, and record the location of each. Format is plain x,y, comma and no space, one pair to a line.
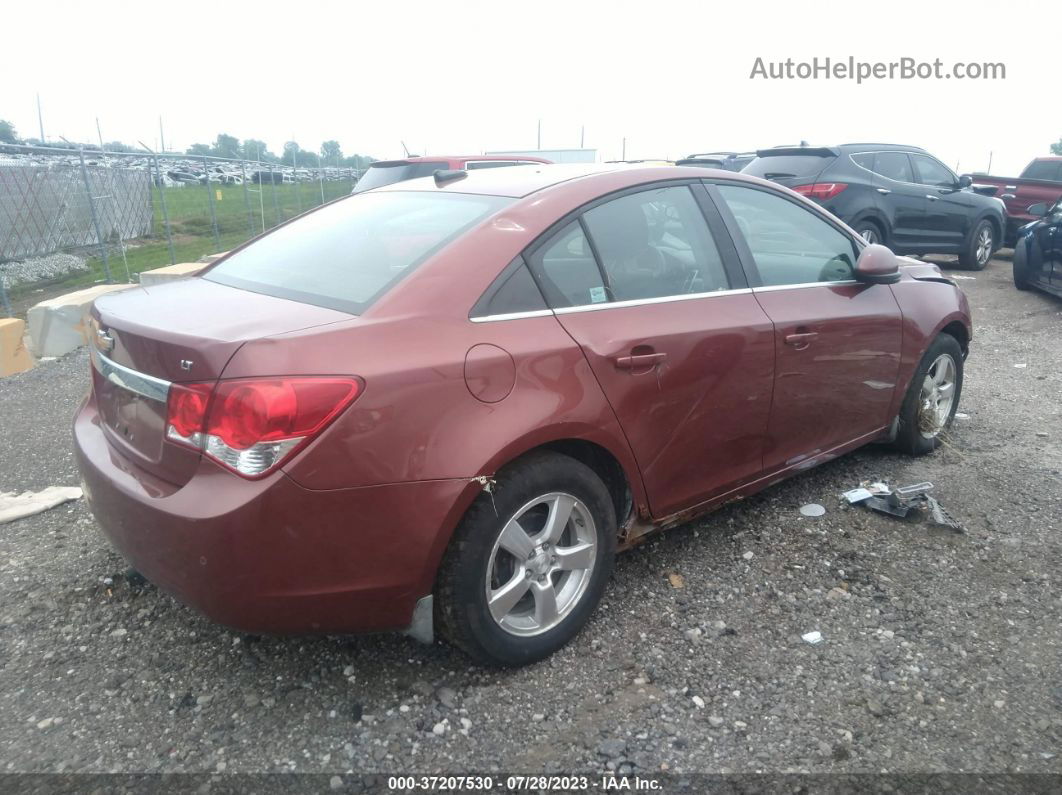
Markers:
857,495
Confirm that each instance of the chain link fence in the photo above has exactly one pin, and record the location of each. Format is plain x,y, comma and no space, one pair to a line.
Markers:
70,218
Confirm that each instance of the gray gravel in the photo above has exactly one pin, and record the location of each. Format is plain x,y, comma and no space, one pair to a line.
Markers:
941,651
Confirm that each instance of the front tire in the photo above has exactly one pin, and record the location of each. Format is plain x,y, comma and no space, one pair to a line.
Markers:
1018,269
980,247
528,563
932,398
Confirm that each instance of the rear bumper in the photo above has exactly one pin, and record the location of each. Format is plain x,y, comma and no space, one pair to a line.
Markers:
270,555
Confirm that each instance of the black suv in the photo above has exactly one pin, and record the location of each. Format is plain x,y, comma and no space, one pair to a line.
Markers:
900,196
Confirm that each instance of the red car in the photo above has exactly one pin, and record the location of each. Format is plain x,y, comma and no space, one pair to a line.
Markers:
388,172
447,402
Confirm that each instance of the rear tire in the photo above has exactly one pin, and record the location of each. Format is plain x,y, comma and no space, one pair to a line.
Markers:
512,592
929,405
870,232
980,246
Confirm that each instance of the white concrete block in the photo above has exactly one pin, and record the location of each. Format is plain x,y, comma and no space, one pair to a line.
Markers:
59,325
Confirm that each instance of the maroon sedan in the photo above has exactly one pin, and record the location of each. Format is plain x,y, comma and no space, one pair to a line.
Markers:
447,402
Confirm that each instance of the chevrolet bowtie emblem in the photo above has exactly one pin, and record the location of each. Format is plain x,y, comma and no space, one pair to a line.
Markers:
104,341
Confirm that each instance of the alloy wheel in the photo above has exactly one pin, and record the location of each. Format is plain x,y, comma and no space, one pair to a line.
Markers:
937,396
541,564
984,246
870,235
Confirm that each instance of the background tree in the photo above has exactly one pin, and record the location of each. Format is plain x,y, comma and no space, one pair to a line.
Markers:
290,155
1056,149
253,149
226,146
200,149
7,132
331,153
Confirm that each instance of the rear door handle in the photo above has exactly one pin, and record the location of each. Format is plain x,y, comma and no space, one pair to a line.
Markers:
639,361
884,191
801,339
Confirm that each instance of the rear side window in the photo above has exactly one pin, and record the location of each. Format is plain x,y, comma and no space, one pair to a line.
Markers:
789,243
1043,169
655,244
513,291
784,166
567,270
866,160
894,165
347,254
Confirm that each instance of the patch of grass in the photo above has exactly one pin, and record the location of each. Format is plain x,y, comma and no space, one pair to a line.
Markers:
241,212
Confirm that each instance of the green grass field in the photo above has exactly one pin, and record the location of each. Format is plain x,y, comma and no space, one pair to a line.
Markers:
240,215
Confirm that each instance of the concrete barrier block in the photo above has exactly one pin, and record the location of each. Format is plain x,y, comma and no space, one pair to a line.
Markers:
59,325
14,358
181,270
212,258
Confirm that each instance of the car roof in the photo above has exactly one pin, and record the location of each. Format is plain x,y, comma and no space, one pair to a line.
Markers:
448,158
520,181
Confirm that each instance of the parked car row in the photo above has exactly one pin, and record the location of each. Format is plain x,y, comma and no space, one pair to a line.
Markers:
1040,182
442,405
899,196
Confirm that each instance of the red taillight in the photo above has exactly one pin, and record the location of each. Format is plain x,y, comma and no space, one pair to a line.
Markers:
187,407
250,424
821,190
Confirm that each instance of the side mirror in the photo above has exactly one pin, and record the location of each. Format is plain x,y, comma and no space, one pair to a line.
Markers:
1039,209
965,181
877,265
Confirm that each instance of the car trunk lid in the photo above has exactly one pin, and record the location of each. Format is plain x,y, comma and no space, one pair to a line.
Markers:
182,332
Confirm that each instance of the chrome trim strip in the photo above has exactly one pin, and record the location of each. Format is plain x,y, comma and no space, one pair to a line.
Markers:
512,316
667,299
774,287
144,385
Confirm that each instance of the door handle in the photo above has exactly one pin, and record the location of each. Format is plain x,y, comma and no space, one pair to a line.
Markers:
931,197
1007,196
639,361
884,191
801,339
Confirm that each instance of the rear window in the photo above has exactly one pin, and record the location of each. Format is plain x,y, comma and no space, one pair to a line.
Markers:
347,254
783,166
378,175
1042,169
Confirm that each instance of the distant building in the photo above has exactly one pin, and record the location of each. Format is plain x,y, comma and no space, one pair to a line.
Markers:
556,155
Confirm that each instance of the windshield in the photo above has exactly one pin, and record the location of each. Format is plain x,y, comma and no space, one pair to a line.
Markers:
783,166
378,174
349,253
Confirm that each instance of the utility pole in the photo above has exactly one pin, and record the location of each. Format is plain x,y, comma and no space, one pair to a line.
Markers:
989,163
623,156
99,133
539,134
40,118
162,138
582,135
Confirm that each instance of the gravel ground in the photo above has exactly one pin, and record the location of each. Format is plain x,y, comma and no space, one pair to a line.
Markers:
941,651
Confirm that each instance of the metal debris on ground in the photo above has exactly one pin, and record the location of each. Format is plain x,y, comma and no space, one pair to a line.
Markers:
903,502
812,509
16,506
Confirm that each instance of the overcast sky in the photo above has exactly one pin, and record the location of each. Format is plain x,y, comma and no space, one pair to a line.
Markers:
451,77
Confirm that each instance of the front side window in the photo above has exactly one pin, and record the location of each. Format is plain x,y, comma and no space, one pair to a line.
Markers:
348,253
932,172
789,243
893,165
655,244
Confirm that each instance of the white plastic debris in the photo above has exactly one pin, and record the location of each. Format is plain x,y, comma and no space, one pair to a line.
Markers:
812,509
964,278
812,637
959,415
857,495
1021,365
16,506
